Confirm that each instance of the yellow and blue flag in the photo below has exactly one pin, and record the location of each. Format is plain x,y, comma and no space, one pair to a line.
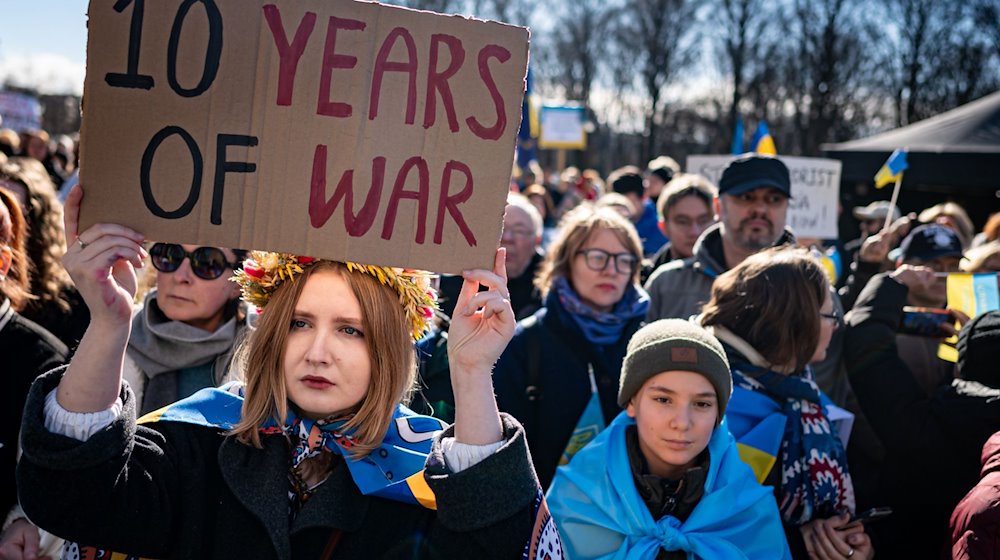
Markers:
762,142
758,424
893,168
737,147
590,424
972,294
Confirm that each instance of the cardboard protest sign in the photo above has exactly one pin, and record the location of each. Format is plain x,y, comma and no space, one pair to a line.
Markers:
345,130
812,211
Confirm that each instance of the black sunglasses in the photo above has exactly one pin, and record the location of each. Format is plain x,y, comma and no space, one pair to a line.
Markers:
207,263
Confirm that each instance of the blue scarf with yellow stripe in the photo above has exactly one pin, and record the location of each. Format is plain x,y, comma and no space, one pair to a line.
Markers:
394,470
771,413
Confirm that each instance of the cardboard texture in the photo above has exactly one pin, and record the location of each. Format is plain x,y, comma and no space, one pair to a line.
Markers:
813,209
262,124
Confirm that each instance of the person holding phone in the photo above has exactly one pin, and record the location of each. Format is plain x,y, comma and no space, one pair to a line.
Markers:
937,250
932,442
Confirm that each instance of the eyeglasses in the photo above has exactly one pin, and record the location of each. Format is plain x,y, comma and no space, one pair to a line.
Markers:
519,232
597,259
207,263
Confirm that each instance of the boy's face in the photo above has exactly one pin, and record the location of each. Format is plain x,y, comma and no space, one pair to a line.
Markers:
675,413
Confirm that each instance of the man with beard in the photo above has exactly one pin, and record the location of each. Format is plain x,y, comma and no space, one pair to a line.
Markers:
752,205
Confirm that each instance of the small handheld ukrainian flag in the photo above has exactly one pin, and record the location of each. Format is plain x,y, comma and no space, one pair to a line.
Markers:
737,147
892,170
762,141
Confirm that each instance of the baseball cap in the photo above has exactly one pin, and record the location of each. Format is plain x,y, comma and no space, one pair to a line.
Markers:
876,211
928,242
752,171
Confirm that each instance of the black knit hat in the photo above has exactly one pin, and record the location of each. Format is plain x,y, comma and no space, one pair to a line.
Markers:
674,344
979,349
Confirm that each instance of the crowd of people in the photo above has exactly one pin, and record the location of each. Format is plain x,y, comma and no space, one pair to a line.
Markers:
655,367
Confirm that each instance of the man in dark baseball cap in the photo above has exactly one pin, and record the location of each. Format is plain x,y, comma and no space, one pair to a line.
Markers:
754,171
752,206
932,245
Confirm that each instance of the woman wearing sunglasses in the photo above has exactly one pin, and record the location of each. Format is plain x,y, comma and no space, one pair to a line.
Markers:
184,334
314,457
559,376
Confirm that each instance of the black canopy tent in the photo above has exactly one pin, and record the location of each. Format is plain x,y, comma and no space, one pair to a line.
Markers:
952,156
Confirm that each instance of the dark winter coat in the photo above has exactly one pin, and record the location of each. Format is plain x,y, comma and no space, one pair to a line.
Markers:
932,445
28,351
550,347
975,523
173,490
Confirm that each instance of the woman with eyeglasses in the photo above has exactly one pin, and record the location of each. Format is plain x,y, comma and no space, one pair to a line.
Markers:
774,315
559,375
184,334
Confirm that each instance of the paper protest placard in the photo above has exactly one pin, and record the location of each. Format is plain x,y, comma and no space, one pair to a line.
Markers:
562,127
346,130
812,211
20,111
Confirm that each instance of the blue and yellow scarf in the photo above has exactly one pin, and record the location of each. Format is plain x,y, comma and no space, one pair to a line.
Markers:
394,470
770,413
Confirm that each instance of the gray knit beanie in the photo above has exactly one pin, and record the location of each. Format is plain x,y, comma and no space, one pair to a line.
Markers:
674,344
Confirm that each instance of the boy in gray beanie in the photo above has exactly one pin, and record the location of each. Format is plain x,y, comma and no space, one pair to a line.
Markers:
674,344
669,453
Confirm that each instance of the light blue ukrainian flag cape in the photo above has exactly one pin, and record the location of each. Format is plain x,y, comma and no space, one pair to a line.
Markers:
600,514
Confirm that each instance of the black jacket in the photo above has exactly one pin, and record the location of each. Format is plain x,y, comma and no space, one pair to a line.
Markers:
28,351
551,348
932,444
172,490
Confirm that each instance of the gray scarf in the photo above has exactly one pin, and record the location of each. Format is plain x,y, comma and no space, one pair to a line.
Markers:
159,344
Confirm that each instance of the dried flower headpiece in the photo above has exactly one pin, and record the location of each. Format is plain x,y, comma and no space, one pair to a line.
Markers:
263,272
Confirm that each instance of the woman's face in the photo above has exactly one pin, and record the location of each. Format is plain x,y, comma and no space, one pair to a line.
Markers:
183,296
327,368
601,289
827,324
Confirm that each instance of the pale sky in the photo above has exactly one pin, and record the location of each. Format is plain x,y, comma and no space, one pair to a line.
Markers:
43,44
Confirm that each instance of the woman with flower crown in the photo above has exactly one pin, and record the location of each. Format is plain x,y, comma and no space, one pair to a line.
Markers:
313,457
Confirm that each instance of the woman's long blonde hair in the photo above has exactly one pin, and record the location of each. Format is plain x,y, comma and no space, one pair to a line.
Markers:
390,349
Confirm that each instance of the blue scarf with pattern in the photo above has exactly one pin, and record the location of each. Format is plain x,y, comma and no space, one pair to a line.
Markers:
602,327
815,483
393,471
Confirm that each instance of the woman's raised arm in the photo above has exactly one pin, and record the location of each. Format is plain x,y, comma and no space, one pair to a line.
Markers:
102,262
481,326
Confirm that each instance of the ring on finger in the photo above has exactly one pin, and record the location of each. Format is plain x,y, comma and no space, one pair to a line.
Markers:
850,553
83,244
